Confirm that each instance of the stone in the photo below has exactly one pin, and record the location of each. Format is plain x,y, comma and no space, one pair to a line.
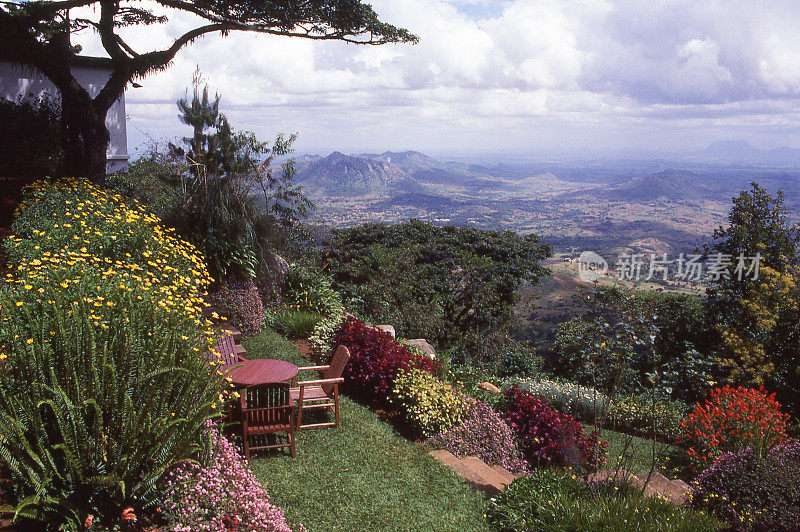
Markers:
675,491
387,329
473,470
493,481
277,269
423,345
489,387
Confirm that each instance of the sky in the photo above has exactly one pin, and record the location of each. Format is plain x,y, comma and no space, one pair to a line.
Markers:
535,77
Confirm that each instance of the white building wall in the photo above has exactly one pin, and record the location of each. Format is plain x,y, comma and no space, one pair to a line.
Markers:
17,81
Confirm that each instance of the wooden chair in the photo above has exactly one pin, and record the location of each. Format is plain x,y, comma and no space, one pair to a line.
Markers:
267,409
228,354
321,393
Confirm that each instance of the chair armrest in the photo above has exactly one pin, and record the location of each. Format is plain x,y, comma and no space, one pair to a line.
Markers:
337,380
310,368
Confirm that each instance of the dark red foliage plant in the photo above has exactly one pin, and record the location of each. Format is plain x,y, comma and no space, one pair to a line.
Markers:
549,437
376,359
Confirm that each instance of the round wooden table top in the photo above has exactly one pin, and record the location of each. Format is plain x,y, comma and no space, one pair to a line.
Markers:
262,371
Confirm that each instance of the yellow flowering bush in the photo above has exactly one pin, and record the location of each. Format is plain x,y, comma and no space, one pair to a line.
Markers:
432,406
105,384
72,221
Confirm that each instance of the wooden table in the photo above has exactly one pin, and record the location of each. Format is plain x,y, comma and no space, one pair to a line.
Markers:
262,371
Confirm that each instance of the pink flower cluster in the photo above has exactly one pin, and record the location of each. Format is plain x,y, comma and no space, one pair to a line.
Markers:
224,496
483,433
241,303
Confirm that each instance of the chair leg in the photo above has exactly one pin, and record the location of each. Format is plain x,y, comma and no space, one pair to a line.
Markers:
246,447
336,403
300,407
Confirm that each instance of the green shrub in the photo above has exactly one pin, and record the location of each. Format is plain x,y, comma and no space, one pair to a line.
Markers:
430,405
310,290
92,417
643,416
497,353
325,329
554,500
152,180
30,139
295,323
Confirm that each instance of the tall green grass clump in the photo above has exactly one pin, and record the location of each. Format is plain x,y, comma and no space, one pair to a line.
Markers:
554,500
295,323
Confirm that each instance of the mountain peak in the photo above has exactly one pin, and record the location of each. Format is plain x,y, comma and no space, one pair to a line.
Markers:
339,174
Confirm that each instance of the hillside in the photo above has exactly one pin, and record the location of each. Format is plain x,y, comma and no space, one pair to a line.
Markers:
346,175
670,184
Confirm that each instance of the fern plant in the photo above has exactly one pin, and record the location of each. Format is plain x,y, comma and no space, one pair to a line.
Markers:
92,418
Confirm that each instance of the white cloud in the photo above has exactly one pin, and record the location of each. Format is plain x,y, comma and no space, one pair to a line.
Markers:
614,66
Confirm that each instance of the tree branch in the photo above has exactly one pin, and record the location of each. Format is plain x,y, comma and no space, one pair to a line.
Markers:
144,63
109,39
21,47
127,47
112,90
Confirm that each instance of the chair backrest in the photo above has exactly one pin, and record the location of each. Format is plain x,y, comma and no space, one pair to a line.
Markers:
226,347
338,362
267,405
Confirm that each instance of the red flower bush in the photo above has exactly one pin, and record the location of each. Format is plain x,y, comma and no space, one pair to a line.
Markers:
547,436
732,419
376,359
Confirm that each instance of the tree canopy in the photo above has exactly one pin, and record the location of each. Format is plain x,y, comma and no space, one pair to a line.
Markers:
37,34
222,189
759,316
439,283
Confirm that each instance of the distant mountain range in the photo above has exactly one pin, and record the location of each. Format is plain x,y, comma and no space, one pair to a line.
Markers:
743,151
379,174
391,174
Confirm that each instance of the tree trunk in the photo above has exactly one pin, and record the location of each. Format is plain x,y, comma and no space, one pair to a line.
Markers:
86,137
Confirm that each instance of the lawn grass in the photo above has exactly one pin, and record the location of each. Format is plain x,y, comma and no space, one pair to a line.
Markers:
361,476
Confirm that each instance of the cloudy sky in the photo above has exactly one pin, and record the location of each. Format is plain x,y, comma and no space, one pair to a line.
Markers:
526,76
